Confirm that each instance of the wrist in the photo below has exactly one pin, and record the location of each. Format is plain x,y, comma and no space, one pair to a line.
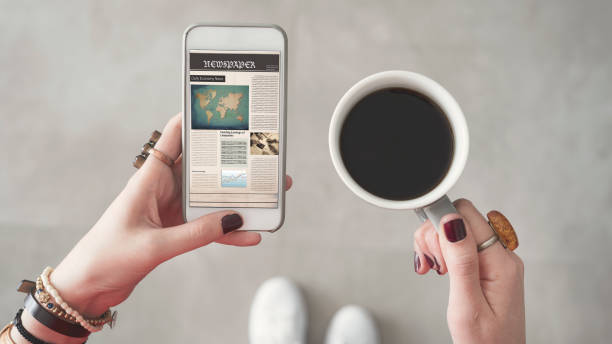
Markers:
77,291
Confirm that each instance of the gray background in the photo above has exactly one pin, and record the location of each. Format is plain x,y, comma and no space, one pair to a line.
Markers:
83,83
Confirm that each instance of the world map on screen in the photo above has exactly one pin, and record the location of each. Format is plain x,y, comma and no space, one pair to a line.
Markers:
220,107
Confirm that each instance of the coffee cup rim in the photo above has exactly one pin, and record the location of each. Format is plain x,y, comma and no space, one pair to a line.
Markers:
436,93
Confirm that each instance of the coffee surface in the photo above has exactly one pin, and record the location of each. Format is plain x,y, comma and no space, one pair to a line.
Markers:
396,144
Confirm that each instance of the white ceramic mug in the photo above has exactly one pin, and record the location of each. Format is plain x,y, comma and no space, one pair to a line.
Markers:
434,204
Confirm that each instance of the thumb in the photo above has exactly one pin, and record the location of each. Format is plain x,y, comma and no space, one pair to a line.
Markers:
459,250
197,233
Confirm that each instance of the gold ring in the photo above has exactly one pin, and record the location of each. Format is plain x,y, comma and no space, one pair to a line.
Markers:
159,155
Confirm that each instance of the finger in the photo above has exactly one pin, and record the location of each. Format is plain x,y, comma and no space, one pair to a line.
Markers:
170,141
433,245
422,257
288,182
420,265
428,242
177,168
494,258
459,250
197,233
240,239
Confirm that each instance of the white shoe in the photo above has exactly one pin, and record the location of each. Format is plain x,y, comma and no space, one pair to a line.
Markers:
278,314
352,325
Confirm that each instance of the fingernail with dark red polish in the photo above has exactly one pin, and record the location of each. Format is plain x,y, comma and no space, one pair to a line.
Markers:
454,230
429,261
231,222
417,262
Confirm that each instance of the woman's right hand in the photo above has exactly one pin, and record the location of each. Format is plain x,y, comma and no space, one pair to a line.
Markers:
486,302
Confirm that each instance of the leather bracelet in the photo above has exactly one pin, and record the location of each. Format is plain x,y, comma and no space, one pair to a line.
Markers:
51,321
22,330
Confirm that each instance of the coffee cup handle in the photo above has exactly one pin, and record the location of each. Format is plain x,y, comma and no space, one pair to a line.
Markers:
436,211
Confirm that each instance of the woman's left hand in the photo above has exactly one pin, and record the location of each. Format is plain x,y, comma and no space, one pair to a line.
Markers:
142,228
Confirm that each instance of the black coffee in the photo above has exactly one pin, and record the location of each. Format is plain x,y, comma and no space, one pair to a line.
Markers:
396,144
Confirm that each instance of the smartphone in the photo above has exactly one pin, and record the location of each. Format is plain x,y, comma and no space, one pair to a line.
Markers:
234,122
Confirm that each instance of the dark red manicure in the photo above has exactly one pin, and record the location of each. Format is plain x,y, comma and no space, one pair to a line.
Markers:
455,230
417,262
437,265
231,222
429,261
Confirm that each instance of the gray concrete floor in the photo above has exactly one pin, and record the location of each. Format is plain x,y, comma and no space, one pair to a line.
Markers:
82,84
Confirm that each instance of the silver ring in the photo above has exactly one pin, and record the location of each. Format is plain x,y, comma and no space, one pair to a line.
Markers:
492,240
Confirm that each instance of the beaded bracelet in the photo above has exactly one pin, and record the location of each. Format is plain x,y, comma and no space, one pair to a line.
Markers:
92,325
44,298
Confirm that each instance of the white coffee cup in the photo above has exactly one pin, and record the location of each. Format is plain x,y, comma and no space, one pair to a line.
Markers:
434,204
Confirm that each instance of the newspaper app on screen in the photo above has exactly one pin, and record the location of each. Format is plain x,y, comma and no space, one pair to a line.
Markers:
234,100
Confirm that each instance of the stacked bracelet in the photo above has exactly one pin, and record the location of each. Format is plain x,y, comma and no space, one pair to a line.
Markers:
52,321
92,325
45,304
44,298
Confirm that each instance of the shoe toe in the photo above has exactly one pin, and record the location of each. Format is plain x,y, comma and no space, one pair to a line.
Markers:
278,313
352,325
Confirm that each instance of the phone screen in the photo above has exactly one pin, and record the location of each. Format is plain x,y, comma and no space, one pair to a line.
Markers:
234,128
